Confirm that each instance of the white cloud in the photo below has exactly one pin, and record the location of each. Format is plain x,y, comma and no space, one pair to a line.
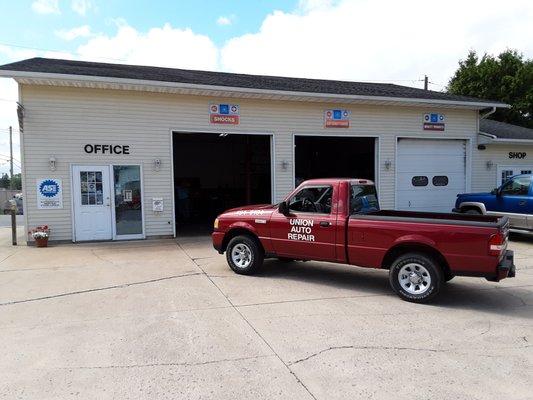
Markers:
74,33
165,46
224,21
379,40
46,6
82,6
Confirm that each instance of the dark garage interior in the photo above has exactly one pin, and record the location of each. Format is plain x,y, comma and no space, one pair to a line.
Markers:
214,172
333,157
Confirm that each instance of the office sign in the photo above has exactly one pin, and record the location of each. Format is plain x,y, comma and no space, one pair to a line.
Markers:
227,114
433,122
49,193
336,119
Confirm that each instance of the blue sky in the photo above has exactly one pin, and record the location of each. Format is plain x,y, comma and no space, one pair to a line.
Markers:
360,40
201,16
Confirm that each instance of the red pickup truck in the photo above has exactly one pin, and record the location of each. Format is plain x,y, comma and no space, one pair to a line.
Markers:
339,220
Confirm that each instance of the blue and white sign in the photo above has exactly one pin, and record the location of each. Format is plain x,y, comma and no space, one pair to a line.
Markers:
433,122
49,193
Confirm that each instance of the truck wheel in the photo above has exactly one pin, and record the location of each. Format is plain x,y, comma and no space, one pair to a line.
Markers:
415,277
244,255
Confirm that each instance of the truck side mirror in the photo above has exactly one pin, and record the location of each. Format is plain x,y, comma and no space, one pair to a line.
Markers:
283,208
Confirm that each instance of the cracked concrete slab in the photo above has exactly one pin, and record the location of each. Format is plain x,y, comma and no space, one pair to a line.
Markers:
160,319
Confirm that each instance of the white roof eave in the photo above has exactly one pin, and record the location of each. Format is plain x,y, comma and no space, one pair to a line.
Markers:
53,79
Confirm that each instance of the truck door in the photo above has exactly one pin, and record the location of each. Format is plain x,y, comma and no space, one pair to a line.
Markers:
514,201
309,231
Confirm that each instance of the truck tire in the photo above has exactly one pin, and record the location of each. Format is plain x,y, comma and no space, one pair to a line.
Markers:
244,255
415,277
472,211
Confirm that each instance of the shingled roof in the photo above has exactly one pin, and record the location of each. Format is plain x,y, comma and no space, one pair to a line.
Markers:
503,130
222,79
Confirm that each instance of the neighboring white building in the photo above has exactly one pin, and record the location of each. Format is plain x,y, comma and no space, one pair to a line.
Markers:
116,152
504,150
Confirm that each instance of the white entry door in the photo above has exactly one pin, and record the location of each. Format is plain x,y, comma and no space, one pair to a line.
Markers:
92,203
430,173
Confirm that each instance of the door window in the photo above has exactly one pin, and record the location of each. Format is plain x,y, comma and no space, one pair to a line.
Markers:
316,199
128,199
363,199
517,187
91,188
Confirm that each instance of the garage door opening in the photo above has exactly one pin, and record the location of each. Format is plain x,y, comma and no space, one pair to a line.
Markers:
214,172
334,157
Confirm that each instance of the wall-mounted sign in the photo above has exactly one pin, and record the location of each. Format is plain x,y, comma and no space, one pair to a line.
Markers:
106,148
224,114
517,154
49,193
336,119
157,204
433,122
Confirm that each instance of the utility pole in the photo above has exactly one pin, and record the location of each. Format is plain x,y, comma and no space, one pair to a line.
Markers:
10,157
426,81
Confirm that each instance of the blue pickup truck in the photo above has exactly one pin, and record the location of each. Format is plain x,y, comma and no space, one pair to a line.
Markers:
514,199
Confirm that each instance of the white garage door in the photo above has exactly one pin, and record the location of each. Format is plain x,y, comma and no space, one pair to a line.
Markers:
430,174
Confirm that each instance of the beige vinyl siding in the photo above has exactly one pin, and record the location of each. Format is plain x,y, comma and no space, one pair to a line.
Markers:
484,179
59,121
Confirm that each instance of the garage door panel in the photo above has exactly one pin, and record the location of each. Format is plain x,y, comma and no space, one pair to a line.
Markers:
427,159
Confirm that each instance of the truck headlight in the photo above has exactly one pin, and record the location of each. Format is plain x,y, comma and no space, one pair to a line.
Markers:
215,224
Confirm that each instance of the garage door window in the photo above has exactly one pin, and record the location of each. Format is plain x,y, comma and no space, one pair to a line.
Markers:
440,180
420,181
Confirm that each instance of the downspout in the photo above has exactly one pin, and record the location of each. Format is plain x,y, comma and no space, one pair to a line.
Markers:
482,116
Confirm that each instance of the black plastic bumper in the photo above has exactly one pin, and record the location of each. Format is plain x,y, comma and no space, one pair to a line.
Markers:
506,267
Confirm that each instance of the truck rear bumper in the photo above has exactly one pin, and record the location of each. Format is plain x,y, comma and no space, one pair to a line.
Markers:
506,267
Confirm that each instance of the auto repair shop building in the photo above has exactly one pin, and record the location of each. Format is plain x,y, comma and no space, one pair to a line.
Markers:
120,152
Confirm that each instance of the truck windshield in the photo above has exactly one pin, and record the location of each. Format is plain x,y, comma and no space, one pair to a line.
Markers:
363,199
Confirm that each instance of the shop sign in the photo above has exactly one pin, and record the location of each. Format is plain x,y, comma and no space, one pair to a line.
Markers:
227,114
336,119
433,122
49,193
517,154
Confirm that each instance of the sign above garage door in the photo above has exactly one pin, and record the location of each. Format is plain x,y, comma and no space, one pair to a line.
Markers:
227,114
433,122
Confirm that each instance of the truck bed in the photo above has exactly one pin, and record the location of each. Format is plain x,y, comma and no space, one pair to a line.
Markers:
493,221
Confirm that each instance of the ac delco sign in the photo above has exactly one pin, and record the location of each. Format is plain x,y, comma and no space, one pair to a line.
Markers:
224,114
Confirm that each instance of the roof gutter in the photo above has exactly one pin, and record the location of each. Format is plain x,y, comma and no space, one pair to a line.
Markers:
240,90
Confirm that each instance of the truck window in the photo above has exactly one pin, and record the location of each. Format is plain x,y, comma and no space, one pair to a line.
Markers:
315,199
363,199
518,186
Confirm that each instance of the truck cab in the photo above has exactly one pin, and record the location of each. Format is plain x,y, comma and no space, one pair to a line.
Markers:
514,199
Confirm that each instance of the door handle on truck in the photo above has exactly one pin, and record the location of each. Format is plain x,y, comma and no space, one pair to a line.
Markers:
325,223
522,203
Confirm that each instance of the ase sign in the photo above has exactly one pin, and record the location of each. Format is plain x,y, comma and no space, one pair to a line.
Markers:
49,193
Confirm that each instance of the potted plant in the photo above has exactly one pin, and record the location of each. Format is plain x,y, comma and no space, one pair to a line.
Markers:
40,234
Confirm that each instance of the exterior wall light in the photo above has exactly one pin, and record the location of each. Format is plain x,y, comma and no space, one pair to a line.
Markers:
388,164
284,165
157,164
490,164
52,163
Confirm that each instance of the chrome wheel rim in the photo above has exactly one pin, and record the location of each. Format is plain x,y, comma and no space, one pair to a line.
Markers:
241,255
414,278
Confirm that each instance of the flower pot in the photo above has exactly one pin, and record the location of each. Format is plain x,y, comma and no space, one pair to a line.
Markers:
41,242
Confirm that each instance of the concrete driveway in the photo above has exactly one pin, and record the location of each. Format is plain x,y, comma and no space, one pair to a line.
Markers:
167,320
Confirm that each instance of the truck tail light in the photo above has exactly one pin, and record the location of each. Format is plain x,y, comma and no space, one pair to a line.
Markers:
497,244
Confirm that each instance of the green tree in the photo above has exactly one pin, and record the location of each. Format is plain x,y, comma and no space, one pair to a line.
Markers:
507,78
4,181
17,182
